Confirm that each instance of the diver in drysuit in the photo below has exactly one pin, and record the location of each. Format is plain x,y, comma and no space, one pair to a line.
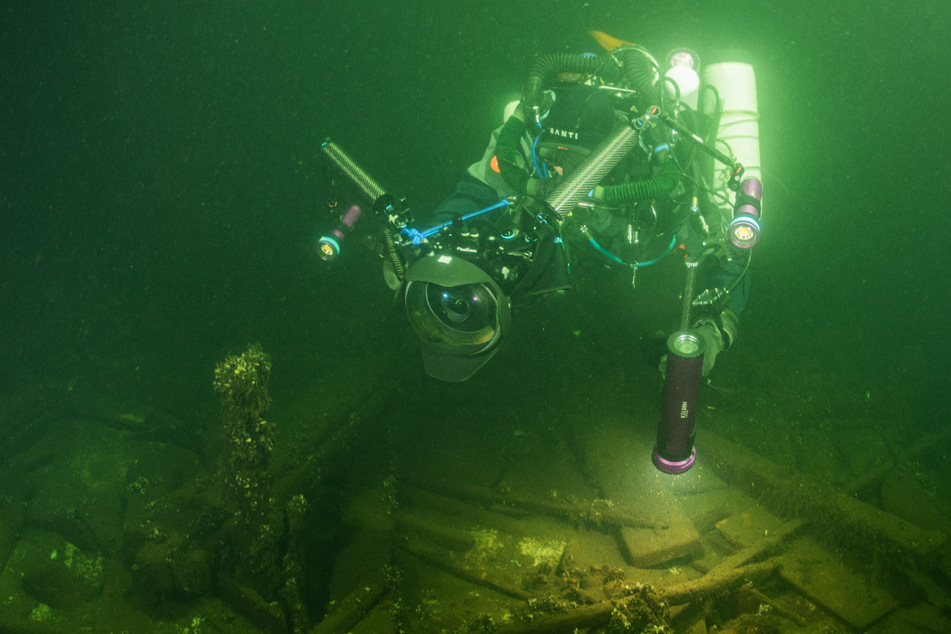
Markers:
653,202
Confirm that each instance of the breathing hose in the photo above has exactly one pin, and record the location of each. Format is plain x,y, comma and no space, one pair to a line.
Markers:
545,68
655,187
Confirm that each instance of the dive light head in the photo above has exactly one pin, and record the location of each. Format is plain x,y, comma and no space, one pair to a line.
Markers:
328,248
458,312
744,229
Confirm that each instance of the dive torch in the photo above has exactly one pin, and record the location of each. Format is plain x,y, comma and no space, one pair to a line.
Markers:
328,247
744,228
674,452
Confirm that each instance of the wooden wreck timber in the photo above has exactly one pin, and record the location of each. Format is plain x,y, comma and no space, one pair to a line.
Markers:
738,530
851,520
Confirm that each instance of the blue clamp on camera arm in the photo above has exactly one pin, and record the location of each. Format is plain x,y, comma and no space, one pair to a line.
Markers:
416,236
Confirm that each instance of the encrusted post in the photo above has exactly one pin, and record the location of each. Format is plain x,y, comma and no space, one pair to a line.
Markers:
252,552
242,381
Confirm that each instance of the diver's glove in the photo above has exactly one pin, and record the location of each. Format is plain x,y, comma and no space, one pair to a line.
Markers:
718,334
707,329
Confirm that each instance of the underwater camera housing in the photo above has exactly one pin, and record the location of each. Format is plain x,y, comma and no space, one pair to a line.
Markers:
459,313
458,290
455,279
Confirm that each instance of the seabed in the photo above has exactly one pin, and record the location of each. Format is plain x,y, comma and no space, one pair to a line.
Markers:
393,503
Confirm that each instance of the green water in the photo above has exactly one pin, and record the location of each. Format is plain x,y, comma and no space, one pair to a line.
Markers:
161,194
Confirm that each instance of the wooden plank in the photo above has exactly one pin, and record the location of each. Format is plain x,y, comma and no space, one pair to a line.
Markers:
672,539
473,571
849,519
594,513
828,581
762,544
748,526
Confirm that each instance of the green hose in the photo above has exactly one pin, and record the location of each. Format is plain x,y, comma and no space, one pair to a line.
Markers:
655,187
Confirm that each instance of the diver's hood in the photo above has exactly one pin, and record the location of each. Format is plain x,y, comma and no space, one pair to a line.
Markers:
458,312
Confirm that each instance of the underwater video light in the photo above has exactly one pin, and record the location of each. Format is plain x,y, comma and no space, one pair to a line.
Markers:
328,247
674,452
744,229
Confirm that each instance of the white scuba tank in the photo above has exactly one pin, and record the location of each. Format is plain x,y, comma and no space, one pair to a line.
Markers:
738,133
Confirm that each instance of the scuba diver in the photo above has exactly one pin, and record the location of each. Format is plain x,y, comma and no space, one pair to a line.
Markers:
604,153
